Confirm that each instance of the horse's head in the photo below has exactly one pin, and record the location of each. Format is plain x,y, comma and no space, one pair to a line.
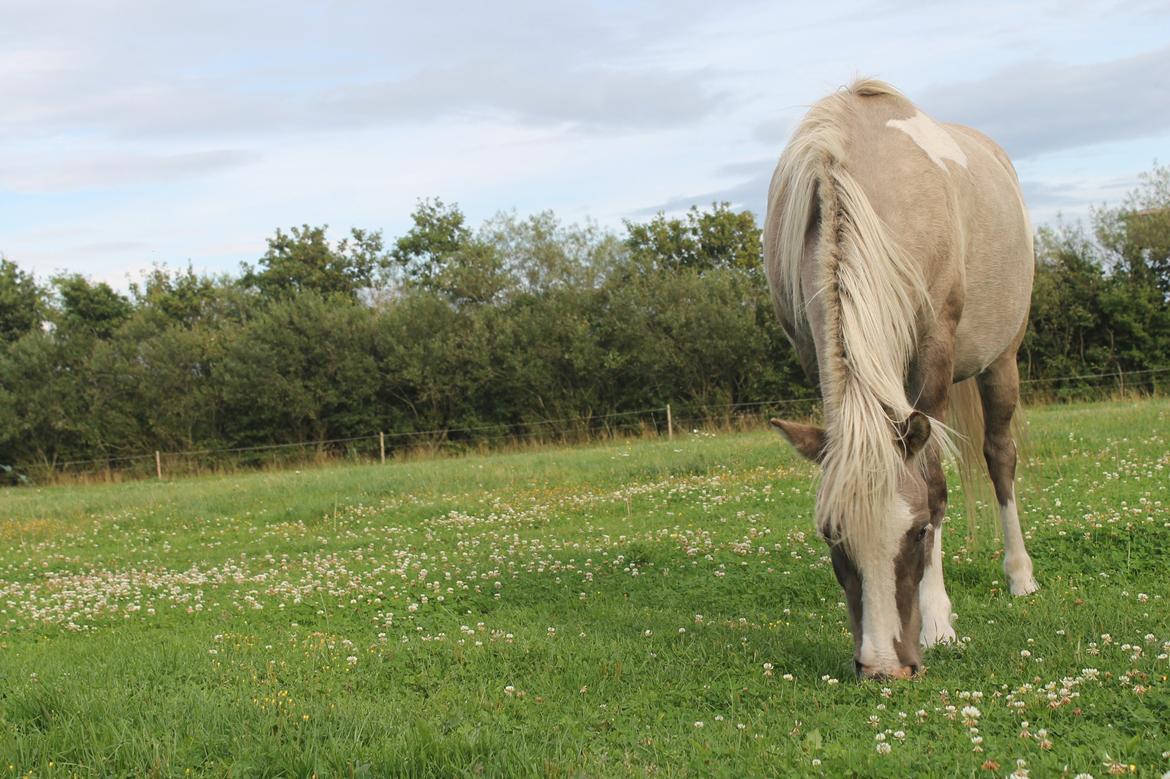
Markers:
881,571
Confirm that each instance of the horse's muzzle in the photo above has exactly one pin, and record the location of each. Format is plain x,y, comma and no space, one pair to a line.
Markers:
866,672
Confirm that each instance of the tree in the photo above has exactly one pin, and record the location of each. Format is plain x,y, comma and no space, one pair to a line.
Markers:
44,416
439,232
1087,319
20,302
440,254
303,259
89,308
703,240
540,254
1136,235
157,385
301,369
1066,334
492,330
179,297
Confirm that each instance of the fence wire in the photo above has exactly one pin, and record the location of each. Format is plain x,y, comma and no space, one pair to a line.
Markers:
689,418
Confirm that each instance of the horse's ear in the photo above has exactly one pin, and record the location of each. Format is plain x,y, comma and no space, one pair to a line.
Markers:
806,439
914,433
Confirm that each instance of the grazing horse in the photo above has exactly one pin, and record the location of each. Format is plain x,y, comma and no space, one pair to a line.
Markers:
899,255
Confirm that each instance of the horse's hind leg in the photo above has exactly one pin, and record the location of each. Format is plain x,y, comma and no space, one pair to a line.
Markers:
999,390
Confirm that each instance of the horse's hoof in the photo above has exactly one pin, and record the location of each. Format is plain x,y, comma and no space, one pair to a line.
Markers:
936,632
1028,587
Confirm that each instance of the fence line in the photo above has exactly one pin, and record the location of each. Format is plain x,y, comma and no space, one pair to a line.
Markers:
436,431
322,442
652,417
1112,375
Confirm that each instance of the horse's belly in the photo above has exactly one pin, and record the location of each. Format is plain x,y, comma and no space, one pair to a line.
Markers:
997,260
995,308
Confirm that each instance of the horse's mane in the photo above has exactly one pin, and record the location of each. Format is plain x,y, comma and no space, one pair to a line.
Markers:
871,294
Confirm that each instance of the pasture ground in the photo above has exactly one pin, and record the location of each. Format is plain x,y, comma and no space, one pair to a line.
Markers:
645,608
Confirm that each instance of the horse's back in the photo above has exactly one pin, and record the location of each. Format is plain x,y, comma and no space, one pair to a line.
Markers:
950,197
891,151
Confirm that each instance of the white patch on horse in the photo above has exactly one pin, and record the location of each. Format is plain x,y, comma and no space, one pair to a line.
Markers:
1017,565
933,602
931,138
881,625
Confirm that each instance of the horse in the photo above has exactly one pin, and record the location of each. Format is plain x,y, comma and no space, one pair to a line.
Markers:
898,252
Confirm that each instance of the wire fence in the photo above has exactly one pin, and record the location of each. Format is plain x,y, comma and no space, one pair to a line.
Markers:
668,420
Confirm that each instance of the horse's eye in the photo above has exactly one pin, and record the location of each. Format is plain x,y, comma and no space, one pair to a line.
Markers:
922,532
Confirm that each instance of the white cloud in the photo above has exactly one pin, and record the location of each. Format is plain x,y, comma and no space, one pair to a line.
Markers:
170,131
149,70
1037,107
99,170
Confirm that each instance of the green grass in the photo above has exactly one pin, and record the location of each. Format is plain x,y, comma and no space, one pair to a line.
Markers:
597,611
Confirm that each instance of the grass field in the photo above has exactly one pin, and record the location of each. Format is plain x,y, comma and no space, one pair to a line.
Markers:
652,607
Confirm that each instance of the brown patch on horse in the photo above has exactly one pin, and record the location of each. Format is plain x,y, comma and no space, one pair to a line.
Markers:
850,582
909,565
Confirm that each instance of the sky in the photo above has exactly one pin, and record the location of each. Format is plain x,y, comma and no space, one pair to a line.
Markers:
144,132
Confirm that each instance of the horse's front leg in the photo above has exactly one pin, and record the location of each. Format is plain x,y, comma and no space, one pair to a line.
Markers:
933,602
930,382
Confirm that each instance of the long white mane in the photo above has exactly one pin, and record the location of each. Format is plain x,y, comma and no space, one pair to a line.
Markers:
872,294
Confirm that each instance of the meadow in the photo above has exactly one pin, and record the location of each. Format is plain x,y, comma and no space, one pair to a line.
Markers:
631,608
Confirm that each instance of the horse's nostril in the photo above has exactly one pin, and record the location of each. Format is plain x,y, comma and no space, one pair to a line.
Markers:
913,670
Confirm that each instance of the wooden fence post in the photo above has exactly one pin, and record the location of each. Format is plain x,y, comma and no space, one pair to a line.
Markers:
382,447
158,464
669,424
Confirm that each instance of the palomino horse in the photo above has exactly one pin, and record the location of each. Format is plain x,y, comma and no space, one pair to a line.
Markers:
899,255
